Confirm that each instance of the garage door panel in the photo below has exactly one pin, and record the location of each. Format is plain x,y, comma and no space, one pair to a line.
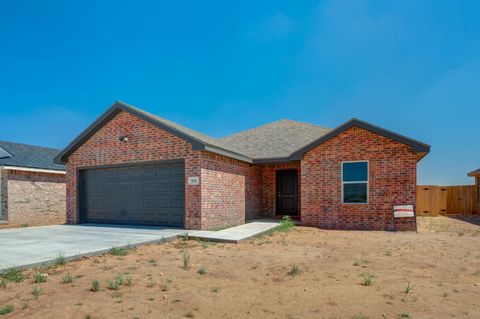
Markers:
163,203
148,195
176,169
162,170
149,186
176,203
176,186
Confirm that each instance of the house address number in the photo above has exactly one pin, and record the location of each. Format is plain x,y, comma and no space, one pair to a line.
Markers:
194,180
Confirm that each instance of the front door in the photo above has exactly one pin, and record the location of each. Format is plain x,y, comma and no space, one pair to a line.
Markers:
287,192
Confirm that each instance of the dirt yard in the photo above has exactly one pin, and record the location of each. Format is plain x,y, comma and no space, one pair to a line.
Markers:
304,273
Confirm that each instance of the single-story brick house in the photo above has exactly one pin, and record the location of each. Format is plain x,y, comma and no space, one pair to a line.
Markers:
476,174
132,167
32,186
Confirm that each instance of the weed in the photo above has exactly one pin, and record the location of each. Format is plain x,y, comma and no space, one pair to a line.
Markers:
6,310
404,315
189,314
162,241
215,289
150,284
128,281
36,291
286,224
113,285
408,288
39,278
360,262
116,294
118,251
295,270
388,253
3,283
24,304
186,260
95,286
367,279
359,317
61,259
166,285
12,274
202,270
460,233
68,278
152,262
24,225
185,237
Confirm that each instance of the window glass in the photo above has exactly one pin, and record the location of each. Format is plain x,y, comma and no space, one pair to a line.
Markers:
355,172
355,182
355,193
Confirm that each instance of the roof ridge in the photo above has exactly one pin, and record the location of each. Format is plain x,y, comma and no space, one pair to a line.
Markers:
29,145
184,129
272,123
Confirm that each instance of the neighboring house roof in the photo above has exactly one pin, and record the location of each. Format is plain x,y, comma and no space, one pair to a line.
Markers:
279,141
474,173
23,155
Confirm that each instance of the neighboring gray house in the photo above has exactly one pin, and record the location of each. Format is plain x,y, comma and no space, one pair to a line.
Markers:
32,186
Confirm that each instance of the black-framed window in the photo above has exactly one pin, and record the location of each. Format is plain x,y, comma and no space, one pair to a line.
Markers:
355,182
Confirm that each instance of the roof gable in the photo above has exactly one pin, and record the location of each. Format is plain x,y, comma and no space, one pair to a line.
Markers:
198,140
417,146
4,153
280,141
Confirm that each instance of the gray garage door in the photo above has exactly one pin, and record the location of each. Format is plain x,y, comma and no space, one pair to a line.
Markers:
137,195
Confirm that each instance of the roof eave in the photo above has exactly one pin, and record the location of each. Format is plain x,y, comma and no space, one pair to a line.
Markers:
474,173
118,106
417,147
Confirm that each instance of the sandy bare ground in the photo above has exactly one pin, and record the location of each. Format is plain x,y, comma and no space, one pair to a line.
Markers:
252,280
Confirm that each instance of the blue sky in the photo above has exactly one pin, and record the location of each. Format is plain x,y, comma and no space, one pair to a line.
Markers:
220,67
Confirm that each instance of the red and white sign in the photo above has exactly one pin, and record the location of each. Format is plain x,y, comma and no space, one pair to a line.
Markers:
403,211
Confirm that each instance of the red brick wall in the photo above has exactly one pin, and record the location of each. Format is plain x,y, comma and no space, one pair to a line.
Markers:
270,185
147,142
34,198
392,181
231,191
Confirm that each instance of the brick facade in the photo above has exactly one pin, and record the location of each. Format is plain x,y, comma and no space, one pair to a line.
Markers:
232,192
149,143
270,186
392,181
33,198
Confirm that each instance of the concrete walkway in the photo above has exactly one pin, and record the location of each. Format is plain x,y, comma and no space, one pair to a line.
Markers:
33,246
234,234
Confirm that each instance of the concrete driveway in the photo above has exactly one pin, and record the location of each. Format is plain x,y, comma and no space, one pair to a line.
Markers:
32,246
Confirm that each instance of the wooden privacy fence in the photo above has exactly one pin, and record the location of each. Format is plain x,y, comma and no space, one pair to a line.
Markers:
441,200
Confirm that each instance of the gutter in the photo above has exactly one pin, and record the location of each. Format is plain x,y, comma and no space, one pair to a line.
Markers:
31,169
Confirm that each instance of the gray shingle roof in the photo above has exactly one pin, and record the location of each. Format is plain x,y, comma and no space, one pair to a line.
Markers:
188,131
275,140
280,141
23,155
